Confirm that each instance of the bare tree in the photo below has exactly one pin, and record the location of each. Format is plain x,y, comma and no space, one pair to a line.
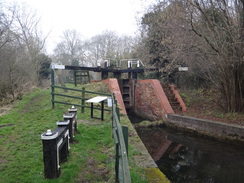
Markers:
14,75
71,47
5,23
220,25
109,45
27,31
20,44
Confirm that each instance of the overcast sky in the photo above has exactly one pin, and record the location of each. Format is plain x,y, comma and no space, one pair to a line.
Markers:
88,17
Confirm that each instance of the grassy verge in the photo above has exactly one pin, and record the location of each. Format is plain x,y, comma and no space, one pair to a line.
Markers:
91,157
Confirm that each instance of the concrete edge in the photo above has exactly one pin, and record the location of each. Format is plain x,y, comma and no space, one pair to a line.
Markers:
219,130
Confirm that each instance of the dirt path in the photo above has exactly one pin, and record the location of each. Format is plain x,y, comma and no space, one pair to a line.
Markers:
6,109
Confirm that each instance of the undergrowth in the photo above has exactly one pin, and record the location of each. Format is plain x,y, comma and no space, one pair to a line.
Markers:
205,103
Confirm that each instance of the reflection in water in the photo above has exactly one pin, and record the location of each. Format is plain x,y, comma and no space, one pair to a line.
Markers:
186,158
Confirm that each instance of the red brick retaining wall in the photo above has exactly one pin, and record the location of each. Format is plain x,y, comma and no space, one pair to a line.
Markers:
150,100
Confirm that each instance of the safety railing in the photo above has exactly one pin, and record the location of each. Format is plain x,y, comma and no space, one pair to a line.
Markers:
81,93
120,135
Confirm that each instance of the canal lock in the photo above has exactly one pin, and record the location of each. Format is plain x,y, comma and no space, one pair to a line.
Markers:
183,156
186,157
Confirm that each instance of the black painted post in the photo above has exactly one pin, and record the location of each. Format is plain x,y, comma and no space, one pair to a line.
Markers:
51,164
104,75
105,64
91,110
55,149
71,118
129,75
65,149
134,75
117,75
83,101
102,111
73,110
75,80
52,87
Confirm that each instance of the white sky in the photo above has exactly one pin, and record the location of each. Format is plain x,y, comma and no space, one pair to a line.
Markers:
88,17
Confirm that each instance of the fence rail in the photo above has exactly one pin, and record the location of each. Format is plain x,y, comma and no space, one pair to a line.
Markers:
82,98
83,90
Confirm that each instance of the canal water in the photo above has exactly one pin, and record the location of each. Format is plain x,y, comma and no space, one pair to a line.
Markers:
185,158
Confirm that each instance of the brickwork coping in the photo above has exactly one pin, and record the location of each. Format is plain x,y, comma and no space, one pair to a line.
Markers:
114,88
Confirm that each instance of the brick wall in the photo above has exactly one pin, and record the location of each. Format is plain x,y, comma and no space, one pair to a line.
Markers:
150,100
114,88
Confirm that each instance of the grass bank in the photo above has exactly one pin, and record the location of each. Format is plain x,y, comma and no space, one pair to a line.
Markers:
91,157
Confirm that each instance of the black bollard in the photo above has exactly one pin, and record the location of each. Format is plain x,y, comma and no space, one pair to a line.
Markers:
55,150
73,110
64,150
71,118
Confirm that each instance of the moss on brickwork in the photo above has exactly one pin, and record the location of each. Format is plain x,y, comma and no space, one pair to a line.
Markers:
154,175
